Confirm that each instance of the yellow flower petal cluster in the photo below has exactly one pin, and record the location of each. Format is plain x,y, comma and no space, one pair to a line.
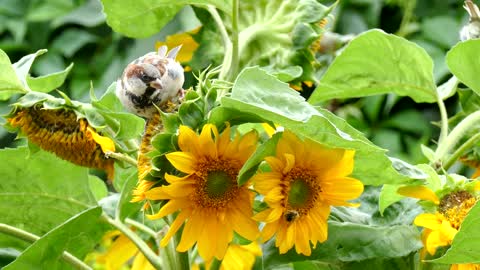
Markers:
120,252
306,179
240,257
441,227
208,199
59,131
189,45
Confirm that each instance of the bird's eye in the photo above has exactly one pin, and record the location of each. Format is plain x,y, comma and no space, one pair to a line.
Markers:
145,78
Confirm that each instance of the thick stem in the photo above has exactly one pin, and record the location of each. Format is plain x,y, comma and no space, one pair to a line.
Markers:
141,245
227,44
29,237
121,157
456,135
235,55
461,150
141,227
443,121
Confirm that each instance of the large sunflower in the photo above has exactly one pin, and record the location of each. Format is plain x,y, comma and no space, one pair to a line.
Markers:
306,179
211,203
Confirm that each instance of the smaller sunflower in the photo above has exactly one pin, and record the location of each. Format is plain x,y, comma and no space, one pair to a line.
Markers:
441,227
306,179
209,199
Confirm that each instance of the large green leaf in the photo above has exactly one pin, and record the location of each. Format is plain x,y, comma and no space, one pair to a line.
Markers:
465,248
144,18
38,191
8,78
48,82
376,63
22,67
462,62
349,242
78,235
257,93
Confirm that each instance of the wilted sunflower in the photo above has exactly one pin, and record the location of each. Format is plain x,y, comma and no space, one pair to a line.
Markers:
61,132
306,179
208,197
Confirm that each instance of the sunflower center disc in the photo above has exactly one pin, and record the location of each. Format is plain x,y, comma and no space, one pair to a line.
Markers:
218,183
299,194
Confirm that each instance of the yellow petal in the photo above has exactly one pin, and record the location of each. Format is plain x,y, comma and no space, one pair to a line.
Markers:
193,228
188,141
268,231
429,221
243,225
121,250
269,129
338,191
276,164
264,182
302,245
141,263
183,161
105,143
189,45
176,224
208,146
289,163
223,141
419,192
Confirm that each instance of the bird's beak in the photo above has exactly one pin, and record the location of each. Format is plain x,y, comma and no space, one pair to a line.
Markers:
157,84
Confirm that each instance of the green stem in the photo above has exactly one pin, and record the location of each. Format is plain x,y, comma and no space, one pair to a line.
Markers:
456,135
121,157
29,237
443,120
215,264
141,245
407,16
235,55
462,149
141,227
227,44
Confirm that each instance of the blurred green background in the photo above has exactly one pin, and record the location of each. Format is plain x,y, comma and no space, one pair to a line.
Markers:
74,31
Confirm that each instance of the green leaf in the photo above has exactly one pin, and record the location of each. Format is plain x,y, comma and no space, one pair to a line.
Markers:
125,208
377,63
78,235
448,89
48,82
462,62
22,67
250,167
144,18
71,40
465,248
388,196
442,30
349,242
89,15
47,188
98,187
8,78
257,93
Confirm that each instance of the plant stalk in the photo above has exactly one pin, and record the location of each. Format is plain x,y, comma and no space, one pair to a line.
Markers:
121,157
141,245
30,237
233,70
456,135
462,149
227,43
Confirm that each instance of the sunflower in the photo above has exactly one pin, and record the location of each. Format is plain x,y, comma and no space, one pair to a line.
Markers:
208,197
441,227
306,179
60,131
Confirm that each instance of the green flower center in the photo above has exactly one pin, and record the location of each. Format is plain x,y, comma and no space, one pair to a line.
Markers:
299,193
218,184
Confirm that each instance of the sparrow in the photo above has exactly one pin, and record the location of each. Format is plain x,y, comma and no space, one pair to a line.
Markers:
150,81
472,29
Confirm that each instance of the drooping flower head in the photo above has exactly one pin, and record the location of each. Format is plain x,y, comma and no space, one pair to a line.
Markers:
306,179
62,132
208,199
